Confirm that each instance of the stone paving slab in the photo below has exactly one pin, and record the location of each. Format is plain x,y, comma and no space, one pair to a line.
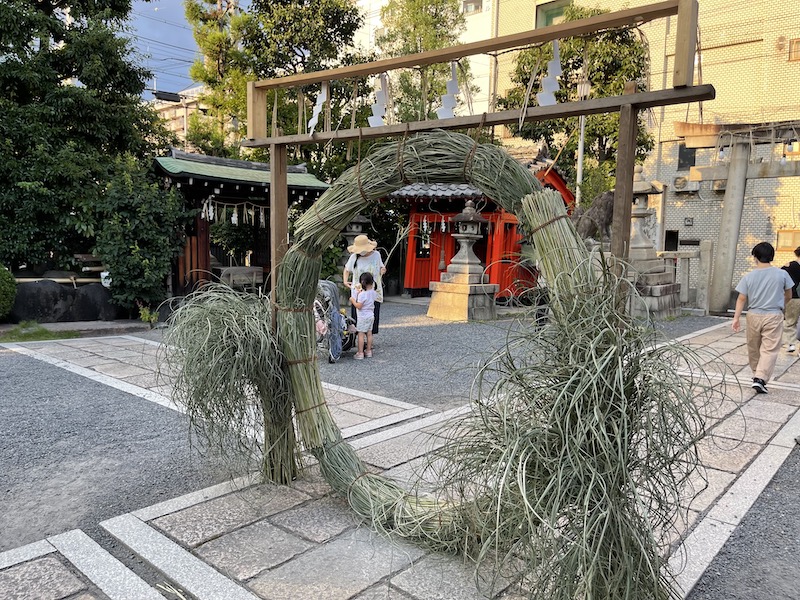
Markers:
337,570
40,579
246,552
197,524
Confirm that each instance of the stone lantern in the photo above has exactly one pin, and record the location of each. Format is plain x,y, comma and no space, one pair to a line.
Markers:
641,247
465,267
353,229
462,295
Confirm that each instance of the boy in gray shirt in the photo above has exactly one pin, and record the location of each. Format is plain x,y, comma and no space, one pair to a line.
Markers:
765,290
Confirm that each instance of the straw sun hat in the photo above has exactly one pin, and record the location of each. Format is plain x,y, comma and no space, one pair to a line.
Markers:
361,245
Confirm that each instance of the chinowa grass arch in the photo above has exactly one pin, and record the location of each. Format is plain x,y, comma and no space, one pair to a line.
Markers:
434,157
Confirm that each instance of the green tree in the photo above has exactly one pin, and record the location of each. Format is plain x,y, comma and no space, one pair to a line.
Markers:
287,37
70,103
223,70
418,26
141,233
611,58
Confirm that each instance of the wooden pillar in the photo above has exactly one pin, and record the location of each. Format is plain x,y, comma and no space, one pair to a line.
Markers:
685,44
256,112
623,191
278,214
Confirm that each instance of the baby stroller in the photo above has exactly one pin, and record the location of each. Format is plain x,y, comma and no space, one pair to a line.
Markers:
336,332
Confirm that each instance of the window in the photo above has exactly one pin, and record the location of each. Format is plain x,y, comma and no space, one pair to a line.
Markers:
788,240
686,157
794,49
472,6
551,13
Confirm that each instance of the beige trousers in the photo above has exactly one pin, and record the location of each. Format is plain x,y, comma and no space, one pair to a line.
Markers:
763,343
790,321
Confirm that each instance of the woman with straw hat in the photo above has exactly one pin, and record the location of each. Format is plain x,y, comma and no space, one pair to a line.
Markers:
365,259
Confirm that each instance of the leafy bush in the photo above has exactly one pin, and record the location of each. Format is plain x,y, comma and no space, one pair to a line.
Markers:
8,290
140,233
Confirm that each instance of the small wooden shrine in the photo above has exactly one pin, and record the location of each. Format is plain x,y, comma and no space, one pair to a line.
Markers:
227,190
431,244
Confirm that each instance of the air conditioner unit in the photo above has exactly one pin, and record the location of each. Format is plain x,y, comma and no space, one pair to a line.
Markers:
682,185
719,185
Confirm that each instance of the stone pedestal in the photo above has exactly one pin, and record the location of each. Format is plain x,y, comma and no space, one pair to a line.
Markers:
462,295
654,278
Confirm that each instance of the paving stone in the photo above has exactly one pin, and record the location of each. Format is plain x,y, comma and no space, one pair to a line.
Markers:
791,376
319,520
92,360
147,380
345,418
41,579
119,370
702,493
726,454
787,397
370,408
338,570
383,591
122,354
312,482
200,523
739,427
769,411
439,577
246,552
337,398
398,450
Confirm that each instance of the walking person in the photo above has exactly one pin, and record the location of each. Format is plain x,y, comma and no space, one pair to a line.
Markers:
365,259
790,326
363,300
765,290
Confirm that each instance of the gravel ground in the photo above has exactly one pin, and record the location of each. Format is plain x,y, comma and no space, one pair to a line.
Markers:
760,561
433,363
74,452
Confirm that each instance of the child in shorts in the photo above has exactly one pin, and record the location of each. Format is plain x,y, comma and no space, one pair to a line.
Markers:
363,298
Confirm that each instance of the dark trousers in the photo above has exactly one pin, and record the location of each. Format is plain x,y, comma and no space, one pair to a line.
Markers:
377,316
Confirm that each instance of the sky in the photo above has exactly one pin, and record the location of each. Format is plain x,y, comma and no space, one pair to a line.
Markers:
164,40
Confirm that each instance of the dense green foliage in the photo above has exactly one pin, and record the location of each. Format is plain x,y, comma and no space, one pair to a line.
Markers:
70,103
611,58
8,291
418,26
141,234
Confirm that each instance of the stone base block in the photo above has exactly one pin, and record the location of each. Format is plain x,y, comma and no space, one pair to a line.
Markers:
460,302
657,307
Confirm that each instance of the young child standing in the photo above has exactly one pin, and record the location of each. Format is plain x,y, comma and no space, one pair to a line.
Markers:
363,298
765,289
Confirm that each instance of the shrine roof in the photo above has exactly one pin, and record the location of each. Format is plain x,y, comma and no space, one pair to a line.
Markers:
185,165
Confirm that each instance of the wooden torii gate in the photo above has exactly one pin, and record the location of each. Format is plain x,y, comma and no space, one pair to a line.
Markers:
628,105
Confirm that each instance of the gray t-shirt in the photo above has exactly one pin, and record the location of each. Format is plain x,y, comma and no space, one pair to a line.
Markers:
764,289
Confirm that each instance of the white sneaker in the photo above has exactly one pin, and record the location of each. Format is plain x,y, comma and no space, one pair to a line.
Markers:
790,348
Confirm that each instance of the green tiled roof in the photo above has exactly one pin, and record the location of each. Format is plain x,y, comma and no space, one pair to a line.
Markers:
189,168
